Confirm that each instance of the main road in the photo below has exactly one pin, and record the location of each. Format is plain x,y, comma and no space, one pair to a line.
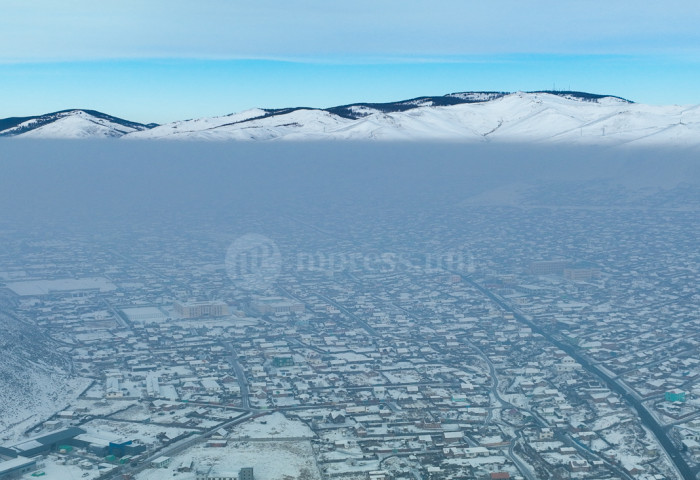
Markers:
615,385
240,375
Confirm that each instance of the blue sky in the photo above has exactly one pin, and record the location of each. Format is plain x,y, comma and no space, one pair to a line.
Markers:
157,61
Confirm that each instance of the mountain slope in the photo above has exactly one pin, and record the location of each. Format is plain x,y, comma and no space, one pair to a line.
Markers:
35,380
69,124
546,117
542,117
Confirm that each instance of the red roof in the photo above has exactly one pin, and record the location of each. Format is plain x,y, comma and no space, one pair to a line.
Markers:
499,475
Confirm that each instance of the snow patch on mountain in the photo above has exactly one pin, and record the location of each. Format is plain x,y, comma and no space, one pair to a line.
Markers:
185,127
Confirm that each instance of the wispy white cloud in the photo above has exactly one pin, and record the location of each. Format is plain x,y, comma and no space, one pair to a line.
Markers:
348,31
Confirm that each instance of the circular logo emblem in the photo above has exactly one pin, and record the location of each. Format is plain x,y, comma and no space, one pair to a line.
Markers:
253,262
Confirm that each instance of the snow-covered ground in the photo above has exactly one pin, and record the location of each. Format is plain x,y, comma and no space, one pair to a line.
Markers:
269,460
144,432
60,467
270,427
34,383
51,393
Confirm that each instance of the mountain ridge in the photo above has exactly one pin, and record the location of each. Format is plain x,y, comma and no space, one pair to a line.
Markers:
15,126
540,116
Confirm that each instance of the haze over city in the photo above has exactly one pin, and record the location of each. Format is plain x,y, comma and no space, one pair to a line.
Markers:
349,240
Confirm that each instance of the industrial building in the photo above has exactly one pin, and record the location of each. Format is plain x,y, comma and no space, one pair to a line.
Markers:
45,443
580,274
16,466
72,287
277,305
160,462
548,267
106,444
201,309
144,314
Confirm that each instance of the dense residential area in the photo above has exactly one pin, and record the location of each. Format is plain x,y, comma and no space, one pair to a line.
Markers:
515,353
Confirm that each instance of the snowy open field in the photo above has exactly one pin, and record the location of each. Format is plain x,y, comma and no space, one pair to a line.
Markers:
270,427
270,461
144,432
55,467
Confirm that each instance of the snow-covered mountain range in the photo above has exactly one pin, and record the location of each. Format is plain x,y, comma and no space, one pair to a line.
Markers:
69,124
543,117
